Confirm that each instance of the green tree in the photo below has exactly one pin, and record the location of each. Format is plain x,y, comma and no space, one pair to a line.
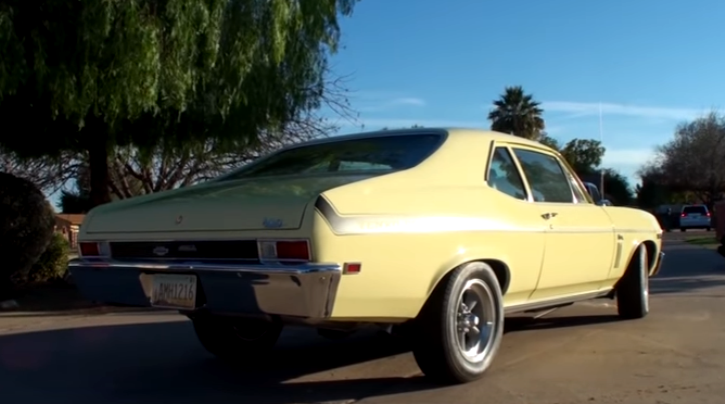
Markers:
694,159
516,113
547,140
584,155
86,76
617,188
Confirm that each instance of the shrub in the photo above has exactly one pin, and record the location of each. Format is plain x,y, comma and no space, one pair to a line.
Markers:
53,263
26,227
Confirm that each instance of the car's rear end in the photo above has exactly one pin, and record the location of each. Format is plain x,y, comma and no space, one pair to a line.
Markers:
695,217
244,244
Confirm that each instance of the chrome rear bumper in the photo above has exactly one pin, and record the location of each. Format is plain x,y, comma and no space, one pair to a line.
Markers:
306,291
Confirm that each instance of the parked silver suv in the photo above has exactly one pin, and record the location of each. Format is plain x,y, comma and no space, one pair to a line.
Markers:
695,217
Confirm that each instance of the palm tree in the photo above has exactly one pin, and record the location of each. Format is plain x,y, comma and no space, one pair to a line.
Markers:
516,113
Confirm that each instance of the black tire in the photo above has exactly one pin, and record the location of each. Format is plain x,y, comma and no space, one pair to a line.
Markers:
683,229
436,347
236,340
633,289
709,229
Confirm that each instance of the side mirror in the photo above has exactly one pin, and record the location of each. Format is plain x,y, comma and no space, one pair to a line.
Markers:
604,202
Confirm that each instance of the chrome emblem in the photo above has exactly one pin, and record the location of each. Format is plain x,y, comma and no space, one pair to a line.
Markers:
160,251
271,223
179,219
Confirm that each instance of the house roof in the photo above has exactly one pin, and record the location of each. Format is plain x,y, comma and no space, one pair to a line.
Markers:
72,219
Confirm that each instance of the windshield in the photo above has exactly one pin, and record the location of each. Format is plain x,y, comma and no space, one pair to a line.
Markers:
373,154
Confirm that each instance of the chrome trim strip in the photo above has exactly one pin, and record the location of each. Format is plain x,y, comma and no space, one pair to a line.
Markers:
189,266
618,253
557,301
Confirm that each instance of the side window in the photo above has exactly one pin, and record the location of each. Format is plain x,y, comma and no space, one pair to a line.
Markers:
504,176
547,179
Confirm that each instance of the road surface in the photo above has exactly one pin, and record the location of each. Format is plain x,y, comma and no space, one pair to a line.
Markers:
576,355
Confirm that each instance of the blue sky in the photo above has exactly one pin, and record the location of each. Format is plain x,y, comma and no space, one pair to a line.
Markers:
652,64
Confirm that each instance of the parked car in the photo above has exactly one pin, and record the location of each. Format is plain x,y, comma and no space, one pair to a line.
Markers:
695,217
442,232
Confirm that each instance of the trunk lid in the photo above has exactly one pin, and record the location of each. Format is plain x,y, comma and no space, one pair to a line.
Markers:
252,204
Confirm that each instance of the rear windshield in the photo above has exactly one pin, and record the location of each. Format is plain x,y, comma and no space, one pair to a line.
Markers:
373,154
694,209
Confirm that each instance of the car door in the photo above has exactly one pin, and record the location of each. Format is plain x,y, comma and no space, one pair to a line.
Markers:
580,236
523,248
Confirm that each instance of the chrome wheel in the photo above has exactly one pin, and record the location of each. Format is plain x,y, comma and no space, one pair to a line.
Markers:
645,283
632,290
475,320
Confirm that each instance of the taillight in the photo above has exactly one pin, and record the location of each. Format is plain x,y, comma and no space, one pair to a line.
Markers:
683,215
89,249
93,249
708,214
284,250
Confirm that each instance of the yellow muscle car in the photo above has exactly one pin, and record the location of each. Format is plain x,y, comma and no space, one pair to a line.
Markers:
440,231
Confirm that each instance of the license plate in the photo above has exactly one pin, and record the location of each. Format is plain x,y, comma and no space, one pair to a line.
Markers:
174,291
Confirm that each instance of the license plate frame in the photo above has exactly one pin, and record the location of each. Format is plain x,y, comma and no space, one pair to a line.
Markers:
174,291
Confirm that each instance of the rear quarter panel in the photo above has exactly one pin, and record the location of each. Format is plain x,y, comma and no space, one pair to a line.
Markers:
408,231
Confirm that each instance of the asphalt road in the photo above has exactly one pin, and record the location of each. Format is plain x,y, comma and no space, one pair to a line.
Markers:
576,355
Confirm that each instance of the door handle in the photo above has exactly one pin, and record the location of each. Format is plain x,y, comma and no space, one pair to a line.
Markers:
549,215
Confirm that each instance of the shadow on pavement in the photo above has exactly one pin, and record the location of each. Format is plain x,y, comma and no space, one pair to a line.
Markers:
128,363
57,300
517,324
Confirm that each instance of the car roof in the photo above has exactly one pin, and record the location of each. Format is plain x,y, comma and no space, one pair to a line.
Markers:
458,133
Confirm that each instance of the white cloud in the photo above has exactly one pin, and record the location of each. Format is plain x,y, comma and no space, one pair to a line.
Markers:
588,109
383,100
407,101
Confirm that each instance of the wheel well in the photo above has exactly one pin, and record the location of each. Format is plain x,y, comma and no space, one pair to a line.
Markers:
651,249
502,273
500,269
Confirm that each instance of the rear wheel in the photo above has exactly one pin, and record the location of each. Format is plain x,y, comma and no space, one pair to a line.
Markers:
709,229
236,339
683,229
633,289
460,329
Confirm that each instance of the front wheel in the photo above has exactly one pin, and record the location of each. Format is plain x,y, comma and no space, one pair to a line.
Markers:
633,289
460,329
236,339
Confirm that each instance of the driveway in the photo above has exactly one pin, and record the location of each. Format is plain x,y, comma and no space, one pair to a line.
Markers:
578,354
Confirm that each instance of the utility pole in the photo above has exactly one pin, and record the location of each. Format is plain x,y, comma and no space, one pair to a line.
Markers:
601,140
